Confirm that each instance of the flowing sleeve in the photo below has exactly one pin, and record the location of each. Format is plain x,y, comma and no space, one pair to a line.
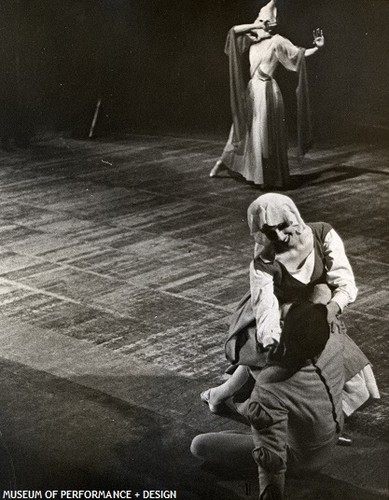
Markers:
340,276
265,306
288,54
235,46
236,43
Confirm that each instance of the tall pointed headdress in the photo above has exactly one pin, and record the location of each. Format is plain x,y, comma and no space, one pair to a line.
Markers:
269,12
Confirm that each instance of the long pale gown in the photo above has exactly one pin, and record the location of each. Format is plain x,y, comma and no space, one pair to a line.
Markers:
262,155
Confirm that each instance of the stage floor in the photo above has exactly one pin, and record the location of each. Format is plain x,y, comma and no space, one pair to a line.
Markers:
121,261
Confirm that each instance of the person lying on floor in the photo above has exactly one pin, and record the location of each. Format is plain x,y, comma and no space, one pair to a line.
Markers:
295,421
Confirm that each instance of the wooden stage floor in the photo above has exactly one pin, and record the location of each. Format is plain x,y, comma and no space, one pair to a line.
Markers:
121,261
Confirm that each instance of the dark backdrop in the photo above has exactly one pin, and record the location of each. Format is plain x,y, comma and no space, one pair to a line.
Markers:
158,65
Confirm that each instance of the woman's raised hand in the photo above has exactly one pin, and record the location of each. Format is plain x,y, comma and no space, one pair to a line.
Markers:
253,35
318,38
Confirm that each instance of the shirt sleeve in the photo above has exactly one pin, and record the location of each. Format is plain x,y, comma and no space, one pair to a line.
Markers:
269,425
339,274
287,53
265,306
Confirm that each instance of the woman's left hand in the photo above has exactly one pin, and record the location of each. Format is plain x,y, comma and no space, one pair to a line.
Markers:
318,38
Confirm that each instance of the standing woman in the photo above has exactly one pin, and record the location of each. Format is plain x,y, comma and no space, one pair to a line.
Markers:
257,144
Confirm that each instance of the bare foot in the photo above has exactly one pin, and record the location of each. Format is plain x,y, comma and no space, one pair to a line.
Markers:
206,398
218,167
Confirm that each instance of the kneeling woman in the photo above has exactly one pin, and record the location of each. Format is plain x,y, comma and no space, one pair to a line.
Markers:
294,262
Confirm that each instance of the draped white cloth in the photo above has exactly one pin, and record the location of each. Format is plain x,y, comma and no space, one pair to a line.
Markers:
264,59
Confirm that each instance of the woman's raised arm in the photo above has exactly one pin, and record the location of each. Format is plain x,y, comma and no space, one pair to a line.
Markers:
245,28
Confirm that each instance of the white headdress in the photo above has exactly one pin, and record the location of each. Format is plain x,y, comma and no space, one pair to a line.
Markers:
268,12
271,209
